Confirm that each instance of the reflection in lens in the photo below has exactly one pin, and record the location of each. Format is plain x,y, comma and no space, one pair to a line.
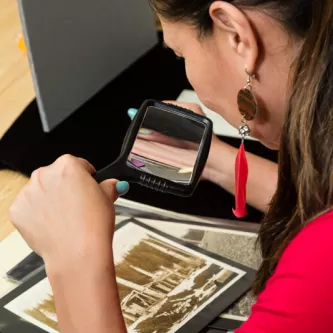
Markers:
167,145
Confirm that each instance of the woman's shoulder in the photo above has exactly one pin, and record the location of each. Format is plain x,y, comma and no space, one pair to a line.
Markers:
298,296
308,258
320,224
312,248
315,241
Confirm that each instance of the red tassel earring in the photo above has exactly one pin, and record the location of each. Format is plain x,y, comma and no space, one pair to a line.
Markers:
248,107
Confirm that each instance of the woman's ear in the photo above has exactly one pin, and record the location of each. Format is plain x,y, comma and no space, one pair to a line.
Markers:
230,20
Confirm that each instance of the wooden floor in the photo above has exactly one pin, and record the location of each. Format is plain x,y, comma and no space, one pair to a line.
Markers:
16,92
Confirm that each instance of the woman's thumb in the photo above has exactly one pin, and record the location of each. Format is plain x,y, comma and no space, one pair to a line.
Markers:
114,188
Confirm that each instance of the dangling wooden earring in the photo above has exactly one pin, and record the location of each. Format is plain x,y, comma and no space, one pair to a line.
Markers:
248,107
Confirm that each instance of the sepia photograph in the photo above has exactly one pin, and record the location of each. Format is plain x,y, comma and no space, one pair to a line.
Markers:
162,284
37,306
238,246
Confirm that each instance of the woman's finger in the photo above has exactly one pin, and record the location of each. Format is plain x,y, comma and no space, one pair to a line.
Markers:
70,162
114,188
87,165
132,113
109,188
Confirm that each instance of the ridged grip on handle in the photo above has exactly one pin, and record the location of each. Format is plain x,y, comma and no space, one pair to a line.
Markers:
153,183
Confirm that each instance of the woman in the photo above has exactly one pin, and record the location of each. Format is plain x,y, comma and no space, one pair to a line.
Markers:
69,220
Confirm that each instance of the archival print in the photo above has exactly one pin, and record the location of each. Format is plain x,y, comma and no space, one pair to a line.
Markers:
238,246
162,284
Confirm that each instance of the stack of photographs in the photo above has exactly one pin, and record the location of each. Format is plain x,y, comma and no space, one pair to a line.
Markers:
193,278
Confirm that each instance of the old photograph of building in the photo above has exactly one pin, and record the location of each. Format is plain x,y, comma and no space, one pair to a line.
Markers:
162,284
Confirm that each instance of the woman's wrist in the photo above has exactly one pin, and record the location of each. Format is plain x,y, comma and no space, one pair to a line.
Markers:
219,167
84,293
96,257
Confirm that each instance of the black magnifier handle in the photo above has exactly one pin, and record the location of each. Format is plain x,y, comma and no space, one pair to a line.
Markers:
117,170
110,172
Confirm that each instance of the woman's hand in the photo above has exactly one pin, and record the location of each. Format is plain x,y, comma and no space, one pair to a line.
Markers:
68,219
63,213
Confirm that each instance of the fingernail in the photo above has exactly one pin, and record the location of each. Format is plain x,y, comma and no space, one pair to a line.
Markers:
145,131
122,188
132,112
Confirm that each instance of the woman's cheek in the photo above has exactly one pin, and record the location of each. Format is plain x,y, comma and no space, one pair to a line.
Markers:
197,80
189,74
223,101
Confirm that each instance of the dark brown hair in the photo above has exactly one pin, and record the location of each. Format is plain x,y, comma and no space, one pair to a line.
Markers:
305,181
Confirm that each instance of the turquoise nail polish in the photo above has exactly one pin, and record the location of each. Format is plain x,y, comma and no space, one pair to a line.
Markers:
132,112
122,188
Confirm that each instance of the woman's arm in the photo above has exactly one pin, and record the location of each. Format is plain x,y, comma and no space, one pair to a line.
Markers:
68,219
262,179
86,295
